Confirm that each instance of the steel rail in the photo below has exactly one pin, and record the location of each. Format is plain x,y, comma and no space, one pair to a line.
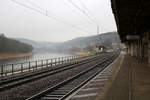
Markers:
99,67
22,80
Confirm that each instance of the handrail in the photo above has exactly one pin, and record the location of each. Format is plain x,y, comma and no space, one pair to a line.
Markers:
10,69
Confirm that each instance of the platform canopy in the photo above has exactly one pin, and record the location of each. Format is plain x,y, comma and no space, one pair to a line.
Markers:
132,17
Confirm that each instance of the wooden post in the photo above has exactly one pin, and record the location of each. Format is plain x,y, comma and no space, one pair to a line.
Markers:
51,62
42,63
21,67
47,63
55,61
29,66
36,64
70,59
2,70
59,61
12,68
62,60
67,59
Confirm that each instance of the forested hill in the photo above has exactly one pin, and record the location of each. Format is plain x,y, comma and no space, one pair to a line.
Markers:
105,39
8,45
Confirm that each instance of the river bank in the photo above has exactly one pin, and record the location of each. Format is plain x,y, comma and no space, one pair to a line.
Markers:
5,56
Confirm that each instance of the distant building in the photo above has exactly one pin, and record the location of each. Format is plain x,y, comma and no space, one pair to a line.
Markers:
100,48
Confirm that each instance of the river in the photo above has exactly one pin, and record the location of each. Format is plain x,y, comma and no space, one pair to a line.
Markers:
36,56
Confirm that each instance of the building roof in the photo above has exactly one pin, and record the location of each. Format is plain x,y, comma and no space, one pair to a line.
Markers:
132,17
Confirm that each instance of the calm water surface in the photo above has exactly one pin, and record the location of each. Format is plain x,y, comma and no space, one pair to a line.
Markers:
37,56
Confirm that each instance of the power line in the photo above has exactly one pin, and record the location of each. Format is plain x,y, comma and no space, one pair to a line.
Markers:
84,6
69,6
46,13
85,13
26,6
88,11
33,4
81,10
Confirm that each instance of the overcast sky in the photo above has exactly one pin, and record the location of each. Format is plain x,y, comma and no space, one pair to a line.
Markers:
65,20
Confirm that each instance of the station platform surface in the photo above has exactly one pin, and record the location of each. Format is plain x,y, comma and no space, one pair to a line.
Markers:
132,82
124,79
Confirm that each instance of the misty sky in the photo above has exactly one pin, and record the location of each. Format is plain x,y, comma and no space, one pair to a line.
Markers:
64,21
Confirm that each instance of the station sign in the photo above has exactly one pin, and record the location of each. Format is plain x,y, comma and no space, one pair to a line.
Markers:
132,37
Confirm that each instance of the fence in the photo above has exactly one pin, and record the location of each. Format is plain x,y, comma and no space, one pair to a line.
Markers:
10,69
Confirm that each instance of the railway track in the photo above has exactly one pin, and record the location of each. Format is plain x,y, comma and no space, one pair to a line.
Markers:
13,82
62,90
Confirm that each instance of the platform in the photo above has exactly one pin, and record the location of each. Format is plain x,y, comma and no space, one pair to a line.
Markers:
132,82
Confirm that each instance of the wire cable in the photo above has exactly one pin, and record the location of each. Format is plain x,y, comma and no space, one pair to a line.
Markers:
84,6
69,6
81,10
46,13
85,13
88,11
